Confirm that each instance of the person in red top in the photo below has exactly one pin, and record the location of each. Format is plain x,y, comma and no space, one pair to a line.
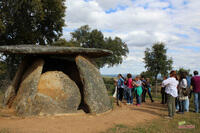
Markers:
195,82
129,85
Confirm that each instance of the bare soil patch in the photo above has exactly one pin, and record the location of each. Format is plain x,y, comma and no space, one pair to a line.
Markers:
81,122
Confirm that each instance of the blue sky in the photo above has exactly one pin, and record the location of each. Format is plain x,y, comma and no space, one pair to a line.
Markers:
140,23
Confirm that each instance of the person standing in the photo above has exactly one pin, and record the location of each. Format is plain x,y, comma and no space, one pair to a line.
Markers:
187,101
163,93
120,87
148,86
138,89
171,89
144,89
181,96
129,85
195,82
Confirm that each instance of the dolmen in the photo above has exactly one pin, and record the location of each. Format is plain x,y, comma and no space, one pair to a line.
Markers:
55,80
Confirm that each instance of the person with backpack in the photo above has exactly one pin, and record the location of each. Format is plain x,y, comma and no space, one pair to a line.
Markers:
144,89
182,92
120,87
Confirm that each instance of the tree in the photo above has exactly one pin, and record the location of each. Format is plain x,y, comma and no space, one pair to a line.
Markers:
182,70
29,22
87,38
156,60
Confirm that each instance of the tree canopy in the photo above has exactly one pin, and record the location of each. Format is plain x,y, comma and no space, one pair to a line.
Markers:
183,70
31,21
87,38
156,60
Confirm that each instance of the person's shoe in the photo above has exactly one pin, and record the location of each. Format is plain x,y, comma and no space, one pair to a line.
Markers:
152,101
168,117
180,112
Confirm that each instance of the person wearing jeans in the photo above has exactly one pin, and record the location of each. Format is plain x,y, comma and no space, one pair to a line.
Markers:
196,101
163,93
195,82
129,88
138,90
120,87
187,101
181,96
171,90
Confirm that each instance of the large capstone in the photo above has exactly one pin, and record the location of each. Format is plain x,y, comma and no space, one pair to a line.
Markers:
54,50
94,89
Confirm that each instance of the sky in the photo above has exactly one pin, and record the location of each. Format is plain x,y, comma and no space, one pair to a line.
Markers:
140,24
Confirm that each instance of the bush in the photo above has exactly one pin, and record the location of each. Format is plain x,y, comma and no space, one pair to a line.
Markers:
109,82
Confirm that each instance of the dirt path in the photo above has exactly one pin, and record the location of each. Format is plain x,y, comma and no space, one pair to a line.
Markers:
82,123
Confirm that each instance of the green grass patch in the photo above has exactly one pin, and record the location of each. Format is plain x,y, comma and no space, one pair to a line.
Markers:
4,130
162,125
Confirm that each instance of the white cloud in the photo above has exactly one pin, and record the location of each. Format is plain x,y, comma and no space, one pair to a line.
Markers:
141,23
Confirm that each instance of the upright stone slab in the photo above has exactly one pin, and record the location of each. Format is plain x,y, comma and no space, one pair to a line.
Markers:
94,89
28,87
12,89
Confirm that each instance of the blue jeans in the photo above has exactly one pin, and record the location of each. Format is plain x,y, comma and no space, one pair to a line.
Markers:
181,105
129,95
177,103
186,105
196,101
138,98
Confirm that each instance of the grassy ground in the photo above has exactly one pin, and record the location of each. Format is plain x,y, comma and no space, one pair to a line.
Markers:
162,125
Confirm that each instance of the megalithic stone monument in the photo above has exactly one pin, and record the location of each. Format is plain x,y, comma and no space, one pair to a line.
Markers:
55,80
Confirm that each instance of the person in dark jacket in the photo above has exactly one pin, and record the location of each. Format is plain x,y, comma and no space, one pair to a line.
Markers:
195,82
120,87
163,93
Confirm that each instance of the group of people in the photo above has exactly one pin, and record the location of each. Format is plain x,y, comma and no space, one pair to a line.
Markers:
176,91
129,88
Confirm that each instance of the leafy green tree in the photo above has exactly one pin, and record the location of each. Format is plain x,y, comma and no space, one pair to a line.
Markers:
87,38
146,74
156,61
183,70
31,21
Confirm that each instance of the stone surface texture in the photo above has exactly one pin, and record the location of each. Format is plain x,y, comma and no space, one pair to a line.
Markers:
12,88
95,93
28,88
58,87
54,50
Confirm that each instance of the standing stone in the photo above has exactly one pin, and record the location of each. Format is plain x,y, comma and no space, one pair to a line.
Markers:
95,93
28,88
12,89
62,91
